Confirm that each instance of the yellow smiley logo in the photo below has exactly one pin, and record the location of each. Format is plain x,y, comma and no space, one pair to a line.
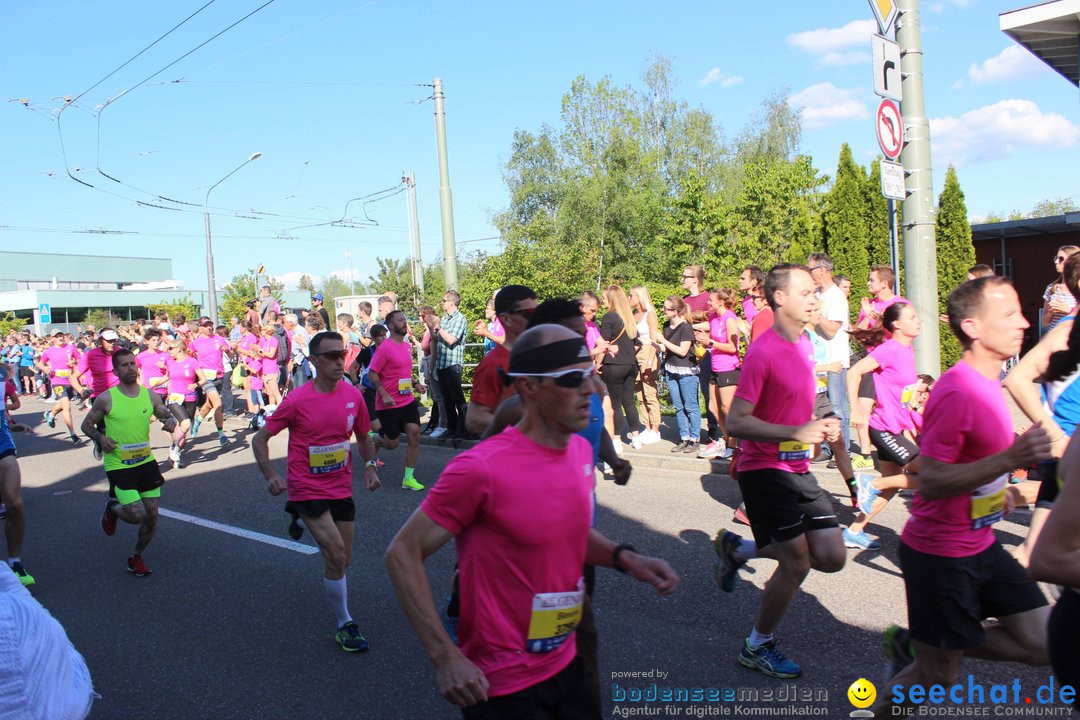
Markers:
862,693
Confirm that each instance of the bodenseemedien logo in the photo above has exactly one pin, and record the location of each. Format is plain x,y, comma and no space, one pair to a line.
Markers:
862,694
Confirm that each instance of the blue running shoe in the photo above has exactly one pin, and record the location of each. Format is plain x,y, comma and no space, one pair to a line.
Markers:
768,659
726,570
222,440
860,540
350,639
50,419
865,491
898,650
195,425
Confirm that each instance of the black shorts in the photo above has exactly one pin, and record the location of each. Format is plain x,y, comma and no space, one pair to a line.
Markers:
782,505
822,406
572,691
26,371
369,400
866,387
393,421
341,510
948,598
1048,487
10,452
143,478
725,378
183,412
216,385
63,391
893,448
1063,630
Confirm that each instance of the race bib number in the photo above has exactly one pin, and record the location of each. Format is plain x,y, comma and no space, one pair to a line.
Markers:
404,386
822,383
134,453
58,390
62,373
324,459
907,393
176,399
988,503
792,450
554,617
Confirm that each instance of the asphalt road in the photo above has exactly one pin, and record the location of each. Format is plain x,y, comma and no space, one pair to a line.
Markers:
232,627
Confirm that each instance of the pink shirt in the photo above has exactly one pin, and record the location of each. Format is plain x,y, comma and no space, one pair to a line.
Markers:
966,419
182,377
749,310
269,364
58,359
697,303
592,334
247,343
152,366
209,351
521,538
879,306
778,380
320,427
100,367
723,361
393,363
894,383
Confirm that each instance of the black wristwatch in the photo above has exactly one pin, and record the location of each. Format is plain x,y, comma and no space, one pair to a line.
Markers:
617,552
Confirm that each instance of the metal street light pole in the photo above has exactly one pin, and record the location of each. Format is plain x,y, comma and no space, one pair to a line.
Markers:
210,279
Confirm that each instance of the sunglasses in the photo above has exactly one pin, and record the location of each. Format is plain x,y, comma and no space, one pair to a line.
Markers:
1060,258
332,354
524,312
667,309
563,378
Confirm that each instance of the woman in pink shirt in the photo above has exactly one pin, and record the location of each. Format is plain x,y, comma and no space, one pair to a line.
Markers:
182,373
890,424
248,349
722,340
268,350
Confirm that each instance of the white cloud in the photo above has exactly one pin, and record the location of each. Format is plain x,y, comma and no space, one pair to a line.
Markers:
716,75
940,5
825,104
833,46
1010,64
997,130
291,279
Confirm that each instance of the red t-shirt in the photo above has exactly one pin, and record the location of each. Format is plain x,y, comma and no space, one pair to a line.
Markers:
762,322
697,303
320,451
521,541
488,388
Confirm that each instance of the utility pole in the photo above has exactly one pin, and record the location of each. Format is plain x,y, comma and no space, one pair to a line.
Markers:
446,202
415,263
920,244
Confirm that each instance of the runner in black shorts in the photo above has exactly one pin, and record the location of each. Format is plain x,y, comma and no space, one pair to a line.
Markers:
956,574
792,518
391,374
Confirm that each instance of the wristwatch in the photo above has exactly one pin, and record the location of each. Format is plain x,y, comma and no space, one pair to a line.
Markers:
619,551
372,463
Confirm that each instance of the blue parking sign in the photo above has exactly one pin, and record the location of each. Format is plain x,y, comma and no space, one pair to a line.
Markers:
44,314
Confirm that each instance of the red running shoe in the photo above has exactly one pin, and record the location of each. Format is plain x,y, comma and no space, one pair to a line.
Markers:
740,514
108,518
136,567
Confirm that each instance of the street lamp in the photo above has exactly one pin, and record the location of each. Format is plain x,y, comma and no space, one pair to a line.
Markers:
209,250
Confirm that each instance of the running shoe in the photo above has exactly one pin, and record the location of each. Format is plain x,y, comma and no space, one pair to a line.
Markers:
438,433
50,419
109,518
649,437
618,446
767,659
195,425
726,570
411,484
75,439
3,511
713,450
861,462
96,451
137,567
727,454
740,515
296,530
860,540
691,446
822,457
24,577
865,490
350,639
680,446
222,440
635,442
898,649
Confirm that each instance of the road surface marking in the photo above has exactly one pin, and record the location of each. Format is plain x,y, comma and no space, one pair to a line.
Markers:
240,532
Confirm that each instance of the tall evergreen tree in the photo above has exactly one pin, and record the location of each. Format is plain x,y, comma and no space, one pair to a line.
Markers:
955,254
845,224
877,218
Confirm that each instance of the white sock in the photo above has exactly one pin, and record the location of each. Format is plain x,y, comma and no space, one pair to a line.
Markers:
338,594
758,639
745,550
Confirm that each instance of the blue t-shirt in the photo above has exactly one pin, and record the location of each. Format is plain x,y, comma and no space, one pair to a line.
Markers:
595,429
27,359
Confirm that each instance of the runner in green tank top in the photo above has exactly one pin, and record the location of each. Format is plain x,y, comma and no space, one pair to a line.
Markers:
134,478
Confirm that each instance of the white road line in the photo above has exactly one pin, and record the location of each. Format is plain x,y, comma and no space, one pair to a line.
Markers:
240,532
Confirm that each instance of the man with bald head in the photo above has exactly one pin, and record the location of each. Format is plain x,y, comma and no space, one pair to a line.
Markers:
522,540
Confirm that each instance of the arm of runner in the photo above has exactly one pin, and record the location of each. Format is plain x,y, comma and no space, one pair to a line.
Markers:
854,377
101,407
478,417
260,447
376,382
1056,557
168,422
601,551
742,424
1021,382
366,445
941,480
458,679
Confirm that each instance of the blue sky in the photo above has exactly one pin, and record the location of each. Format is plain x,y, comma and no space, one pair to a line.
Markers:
333,94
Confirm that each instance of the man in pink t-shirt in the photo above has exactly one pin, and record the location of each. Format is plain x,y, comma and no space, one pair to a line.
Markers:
57,360
97,362
792,518
210,350
522,540
391,375
321,417
956,573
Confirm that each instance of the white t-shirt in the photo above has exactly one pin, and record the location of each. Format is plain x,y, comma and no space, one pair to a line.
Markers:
834,307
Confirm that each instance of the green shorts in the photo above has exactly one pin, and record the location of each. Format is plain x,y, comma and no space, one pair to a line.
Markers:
131,484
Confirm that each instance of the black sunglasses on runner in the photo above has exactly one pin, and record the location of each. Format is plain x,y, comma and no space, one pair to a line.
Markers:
563,378
332,354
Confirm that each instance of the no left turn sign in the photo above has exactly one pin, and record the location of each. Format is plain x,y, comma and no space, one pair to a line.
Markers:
890,129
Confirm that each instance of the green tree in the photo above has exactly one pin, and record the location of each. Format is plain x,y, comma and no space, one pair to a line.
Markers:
186,307
1051,207
9,324
955,254
305,283
846,231
100,318
242,288
877,218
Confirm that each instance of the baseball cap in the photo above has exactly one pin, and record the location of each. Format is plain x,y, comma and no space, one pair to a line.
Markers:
206,323
317,296
109,335
57,331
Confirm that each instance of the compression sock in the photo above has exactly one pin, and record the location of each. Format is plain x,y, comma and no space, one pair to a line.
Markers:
745,550
338,594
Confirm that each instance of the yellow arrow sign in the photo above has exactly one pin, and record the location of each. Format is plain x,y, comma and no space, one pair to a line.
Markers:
885,12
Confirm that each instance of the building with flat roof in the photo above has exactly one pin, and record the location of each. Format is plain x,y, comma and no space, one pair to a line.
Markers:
48,290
